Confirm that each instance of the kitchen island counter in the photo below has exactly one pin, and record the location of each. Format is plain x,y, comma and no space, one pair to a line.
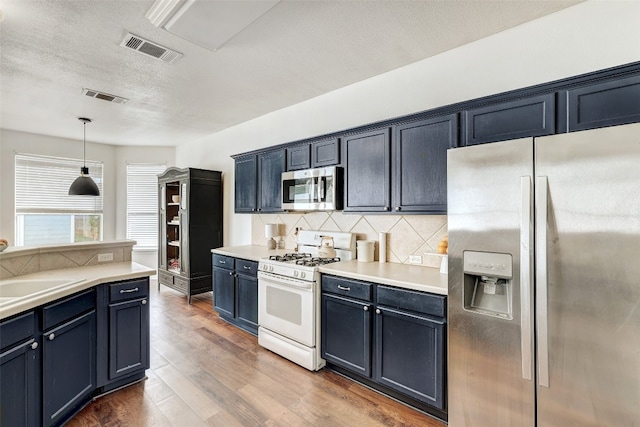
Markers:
78,279
415,277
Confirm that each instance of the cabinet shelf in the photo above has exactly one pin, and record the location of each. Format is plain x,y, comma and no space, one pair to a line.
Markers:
174,243
173,223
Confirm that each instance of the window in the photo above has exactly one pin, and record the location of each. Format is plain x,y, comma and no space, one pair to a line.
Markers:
142,204
45,213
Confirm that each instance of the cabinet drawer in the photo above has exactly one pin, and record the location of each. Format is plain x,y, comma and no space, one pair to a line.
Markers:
181,283
18,329
130,289
419,302
223,261
249,268
165,278
351,288
68,308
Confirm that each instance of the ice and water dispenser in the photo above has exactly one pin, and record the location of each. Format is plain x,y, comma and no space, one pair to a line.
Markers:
488,281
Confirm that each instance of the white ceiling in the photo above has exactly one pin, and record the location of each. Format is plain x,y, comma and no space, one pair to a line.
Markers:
51,50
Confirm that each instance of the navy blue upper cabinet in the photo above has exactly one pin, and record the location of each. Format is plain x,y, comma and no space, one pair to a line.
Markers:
258,182
246,181
531,116
419,164
367,160
325,153
299,157
270,168
603,104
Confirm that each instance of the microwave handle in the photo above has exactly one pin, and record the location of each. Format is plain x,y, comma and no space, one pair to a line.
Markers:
321,189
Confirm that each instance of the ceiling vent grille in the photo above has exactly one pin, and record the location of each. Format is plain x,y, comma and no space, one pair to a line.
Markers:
104,96
149,48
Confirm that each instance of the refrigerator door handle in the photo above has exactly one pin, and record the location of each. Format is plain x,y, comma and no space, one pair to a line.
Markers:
526,277
542,199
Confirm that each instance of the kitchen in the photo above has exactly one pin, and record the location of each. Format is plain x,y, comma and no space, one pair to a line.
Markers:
362,104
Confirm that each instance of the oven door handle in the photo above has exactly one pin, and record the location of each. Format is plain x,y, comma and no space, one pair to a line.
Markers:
284,281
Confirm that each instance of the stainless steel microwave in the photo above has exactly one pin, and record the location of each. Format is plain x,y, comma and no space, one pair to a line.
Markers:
317,189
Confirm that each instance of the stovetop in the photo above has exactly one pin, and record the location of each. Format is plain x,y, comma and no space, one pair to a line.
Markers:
305,259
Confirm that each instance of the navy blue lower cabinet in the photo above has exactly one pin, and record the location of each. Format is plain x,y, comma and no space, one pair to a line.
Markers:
224,292
68,366
247,304
19,374
235,291
410,354
128,337
346,333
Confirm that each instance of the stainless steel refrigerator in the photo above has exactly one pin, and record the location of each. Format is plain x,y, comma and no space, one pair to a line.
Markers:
544,281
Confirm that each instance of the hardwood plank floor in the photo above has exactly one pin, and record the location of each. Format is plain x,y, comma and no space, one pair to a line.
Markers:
205,372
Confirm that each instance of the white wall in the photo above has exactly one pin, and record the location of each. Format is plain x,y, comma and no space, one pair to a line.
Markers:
587,37
114,158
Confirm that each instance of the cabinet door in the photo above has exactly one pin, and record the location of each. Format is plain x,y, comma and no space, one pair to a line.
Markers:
325,153
346,333
367,158
68,366
604,104
270,168
128,337
298,157
224,292
19,385
532,116
420,164
246,178
248,301
410,355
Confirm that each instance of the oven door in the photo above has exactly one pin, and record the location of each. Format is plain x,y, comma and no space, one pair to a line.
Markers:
286,307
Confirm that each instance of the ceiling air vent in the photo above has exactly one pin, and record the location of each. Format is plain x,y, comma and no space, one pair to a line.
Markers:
149,48
104,96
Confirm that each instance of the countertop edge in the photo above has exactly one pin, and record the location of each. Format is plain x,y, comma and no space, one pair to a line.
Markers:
92,276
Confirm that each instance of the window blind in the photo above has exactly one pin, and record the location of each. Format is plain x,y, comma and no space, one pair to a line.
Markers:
42,185
142,203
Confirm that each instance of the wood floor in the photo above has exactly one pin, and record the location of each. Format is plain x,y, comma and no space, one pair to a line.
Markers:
205,372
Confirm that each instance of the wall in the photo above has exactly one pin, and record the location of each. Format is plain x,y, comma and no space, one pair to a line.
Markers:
587,37
114,159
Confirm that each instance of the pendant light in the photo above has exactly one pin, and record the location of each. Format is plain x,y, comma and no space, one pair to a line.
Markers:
84,185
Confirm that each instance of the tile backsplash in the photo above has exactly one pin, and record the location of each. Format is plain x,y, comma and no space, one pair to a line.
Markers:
407,234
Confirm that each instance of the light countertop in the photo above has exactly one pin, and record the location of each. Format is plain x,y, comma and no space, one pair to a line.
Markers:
250,252
416,277
81,278
406,276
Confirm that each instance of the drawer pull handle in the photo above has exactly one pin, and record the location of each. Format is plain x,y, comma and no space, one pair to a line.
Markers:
247,267
344,288
52,336
144,302
126,291
222,262
34,345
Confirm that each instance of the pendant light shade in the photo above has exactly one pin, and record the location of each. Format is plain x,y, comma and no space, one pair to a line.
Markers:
84,185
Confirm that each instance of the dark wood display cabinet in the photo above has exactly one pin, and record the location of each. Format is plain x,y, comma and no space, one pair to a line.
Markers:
190,221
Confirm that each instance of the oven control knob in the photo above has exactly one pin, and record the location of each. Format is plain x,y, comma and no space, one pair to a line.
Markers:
302,274
271,268
295,273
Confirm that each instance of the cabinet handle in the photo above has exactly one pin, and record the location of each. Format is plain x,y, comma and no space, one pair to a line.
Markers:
365,308
378,311
51,336
231,273
387,208
34,346
344,288
253,209
144,302
246,267
398,208
126,291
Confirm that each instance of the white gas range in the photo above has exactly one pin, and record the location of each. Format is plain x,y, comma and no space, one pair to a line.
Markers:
289,296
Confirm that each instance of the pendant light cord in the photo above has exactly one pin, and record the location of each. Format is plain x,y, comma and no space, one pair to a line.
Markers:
84,143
